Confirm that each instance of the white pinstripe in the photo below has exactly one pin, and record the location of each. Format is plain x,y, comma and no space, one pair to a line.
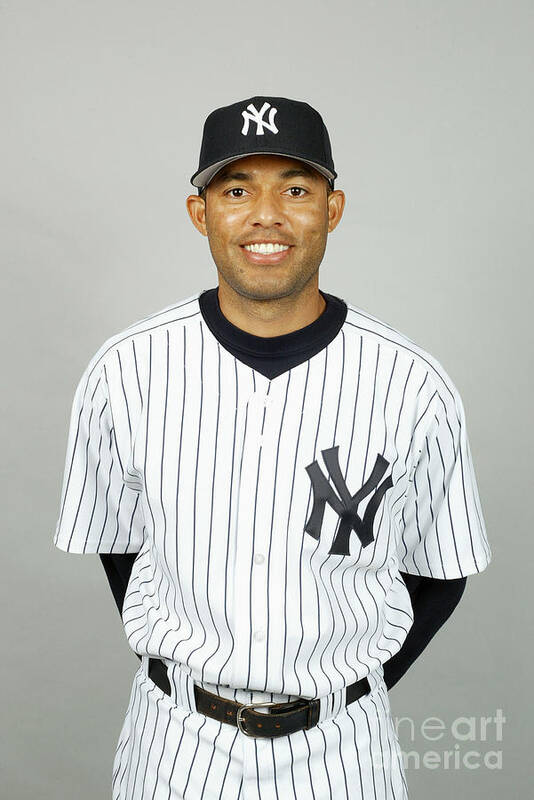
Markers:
179,451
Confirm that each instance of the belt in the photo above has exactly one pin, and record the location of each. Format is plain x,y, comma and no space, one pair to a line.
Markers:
282,719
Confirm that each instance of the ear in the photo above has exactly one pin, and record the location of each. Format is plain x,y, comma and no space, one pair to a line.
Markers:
196,207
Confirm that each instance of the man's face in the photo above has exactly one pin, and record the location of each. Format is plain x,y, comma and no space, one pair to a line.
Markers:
267,198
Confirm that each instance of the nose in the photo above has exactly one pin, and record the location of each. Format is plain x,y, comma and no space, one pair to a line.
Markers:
266,210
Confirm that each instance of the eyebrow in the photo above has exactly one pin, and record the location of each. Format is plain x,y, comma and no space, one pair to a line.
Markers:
294,172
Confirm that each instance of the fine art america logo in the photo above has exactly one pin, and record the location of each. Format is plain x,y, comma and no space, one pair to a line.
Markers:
346,504
471,743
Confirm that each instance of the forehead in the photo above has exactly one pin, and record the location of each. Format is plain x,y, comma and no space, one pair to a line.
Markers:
259,166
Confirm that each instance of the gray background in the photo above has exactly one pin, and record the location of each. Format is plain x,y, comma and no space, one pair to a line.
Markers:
429,107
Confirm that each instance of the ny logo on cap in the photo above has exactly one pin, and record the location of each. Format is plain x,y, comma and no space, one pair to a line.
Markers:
346,505
251,114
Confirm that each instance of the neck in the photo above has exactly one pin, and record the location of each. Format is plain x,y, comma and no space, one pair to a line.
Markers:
271,316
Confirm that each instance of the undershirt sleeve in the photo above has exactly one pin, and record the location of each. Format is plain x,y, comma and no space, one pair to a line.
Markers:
433,601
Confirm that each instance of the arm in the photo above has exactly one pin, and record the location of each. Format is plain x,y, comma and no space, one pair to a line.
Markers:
433,601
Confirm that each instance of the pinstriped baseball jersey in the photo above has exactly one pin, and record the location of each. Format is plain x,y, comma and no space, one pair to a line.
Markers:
271,515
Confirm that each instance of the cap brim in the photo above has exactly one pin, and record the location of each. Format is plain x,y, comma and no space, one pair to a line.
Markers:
202,178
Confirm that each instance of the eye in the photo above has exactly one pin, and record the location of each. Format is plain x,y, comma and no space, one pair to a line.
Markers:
299,188
235,189
240,189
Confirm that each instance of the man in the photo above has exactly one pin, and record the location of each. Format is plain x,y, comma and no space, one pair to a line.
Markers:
288,477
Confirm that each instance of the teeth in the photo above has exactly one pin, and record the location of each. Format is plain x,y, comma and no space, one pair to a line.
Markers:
266,248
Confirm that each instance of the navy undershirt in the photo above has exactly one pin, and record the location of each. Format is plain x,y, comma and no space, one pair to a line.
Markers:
433,600
273,355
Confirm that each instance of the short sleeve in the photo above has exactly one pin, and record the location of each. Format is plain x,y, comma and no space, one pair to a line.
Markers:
99,513
442,528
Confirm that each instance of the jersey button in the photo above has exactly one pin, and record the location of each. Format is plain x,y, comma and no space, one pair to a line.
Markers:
259,558
259,636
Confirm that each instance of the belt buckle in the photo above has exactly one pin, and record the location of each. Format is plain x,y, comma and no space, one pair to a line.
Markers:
299,701
240,711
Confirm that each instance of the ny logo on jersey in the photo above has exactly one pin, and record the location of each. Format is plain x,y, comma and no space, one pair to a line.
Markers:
346,505
253,115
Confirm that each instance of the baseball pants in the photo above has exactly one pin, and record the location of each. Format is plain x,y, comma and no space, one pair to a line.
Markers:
168,751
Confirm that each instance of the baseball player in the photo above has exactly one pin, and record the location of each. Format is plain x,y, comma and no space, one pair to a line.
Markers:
272,460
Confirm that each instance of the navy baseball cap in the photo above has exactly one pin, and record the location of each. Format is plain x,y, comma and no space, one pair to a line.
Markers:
264,125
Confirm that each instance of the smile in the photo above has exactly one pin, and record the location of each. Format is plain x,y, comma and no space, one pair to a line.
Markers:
266,253
266,247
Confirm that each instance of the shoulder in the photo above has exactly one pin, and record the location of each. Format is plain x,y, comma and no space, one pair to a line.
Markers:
407,351
136,334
